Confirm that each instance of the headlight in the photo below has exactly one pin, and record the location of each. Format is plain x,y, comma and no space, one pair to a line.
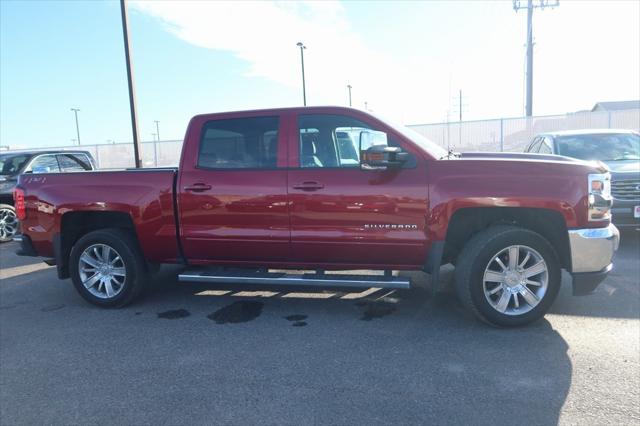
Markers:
600,196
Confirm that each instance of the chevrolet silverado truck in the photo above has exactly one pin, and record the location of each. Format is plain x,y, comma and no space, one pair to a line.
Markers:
310,196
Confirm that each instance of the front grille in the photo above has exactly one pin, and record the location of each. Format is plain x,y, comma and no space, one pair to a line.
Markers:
626,189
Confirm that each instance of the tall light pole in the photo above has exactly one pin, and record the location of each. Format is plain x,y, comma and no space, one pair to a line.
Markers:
304,89
349,87
157,129
137,151
530,6
75,111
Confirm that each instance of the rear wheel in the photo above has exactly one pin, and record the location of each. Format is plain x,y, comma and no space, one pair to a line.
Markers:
9,224
107,268
507,276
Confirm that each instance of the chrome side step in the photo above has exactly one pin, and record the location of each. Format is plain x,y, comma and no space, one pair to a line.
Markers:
281,278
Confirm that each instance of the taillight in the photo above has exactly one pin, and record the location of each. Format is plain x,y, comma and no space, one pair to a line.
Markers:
18,199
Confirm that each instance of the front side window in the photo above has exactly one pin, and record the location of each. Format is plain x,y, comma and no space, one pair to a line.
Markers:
239,143
45,164
329,140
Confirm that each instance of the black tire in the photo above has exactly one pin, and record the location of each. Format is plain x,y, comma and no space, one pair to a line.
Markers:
134,264
7,210
479,252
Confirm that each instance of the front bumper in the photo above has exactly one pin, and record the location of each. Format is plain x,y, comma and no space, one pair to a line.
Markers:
592,253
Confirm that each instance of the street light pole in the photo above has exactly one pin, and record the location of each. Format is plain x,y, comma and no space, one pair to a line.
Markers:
349,87
75,111
304,89
137,150
157,129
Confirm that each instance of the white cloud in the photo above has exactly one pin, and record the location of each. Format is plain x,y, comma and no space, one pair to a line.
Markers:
265,33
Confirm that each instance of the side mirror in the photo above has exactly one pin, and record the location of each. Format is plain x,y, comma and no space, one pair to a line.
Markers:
376,154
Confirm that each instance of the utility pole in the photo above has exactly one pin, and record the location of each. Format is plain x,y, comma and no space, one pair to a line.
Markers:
75,111
530,6
304,89
157,129
153,135
349,87
137,151
366,106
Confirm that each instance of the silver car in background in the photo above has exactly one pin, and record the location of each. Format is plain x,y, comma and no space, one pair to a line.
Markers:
618,149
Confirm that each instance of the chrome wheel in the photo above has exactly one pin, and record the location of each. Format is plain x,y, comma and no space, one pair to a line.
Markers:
8,224
102,271
515,280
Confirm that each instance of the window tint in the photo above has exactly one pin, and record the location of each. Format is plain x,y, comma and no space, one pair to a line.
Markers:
74,162
45,164
329,140
241,143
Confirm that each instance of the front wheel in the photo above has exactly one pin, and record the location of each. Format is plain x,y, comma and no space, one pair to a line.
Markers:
508,276
107,267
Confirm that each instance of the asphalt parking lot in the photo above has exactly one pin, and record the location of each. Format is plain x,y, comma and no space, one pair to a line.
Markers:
227,355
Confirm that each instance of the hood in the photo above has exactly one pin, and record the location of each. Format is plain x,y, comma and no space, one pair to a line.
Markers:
533,159
514,156
624,166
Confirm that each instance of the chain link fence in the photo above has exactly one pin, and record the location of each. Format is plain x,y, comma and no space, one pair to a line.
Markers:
504,134
513,134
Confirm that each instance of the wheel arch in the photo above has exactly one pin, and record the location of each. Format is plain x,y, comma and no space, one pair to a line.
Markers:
75,224
468,221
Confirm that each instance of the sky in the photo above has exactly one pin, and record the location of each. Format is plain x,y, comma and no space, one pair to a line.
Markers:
406,60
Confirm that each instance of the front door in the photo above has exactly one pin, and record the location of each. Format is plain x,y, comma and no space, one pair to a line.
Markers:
233,192
344,216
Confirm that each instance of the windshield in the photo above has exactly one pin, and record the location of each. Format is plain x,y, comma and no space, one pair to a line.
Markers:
603,147
12,163
433,149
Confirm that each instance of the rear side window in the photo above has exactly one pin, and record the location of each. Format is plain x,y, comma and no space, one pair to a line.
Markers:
73,163
239,143
45,164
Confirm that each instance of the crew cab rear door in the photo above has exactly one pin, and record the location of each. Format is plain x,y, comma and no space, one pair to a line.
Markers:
343,215
232,190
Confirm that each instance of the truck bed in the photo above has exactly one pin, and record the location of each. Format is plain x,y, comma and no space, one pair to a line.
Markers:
145,195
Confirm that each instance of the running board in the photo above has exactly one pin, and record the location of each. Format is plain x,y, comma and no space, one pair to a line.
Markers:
281,278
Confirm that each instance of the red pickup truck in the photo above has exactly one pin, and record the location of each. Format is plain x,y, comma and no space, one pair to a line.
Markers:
328,189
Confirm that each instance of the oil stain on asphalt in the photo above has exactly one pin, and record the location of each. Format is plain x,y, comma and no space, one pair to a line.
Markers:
174,314
297,319
375,310
237,312
52,308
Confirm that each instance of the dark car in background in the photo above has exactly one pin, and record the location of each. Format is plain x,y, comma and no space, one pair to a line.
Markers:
13,164
618,149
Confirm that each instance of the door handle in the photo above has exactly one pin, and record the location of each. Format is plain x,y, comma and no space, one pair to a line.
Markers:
308,186
197,187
